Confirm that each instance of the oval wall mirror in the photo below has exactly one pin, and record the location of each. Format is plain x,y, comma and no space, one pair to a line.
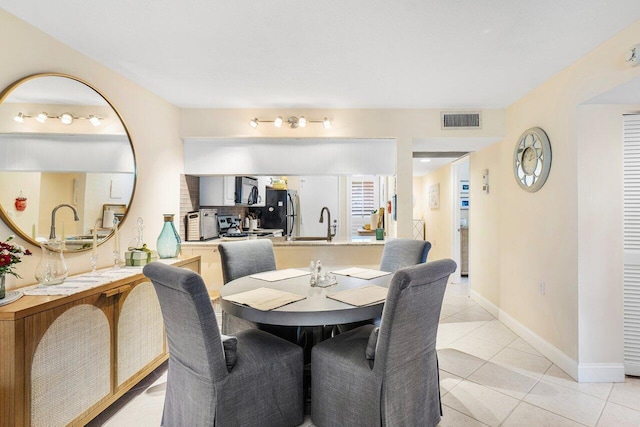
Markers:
63,148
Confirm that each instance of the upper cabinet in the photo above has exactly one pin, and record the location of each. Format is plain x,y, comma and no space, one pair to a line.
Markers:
217,190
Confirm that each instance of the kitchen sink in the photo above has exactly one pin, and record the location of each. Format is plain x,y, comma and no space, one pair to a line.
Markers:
309,238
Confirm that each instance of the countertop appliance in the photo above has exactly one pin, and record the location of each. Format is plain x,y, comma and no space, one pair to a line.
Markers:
281,211
246,190
202,225
231,228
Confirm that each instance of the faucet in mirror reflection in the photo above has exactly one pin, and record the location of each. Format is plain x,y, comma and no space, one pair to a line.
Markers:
52,234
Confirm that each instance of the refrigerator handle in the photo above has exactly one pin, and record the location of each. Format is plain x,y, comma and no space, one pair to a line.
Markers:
293,214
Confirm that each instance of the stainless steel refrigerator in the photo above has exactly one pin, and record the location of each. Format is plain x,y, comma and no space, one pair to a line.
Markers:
281,211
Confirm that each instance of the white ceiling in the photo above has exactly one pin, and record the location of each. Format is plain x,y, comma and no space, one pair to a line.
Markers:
333,53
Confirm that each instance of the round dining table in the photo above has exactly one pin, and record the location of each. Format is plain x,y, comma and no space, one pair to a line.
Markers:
315,310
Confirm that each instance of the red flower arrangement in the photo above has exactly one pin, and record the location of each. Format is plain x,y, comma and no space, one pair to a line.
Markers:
10,255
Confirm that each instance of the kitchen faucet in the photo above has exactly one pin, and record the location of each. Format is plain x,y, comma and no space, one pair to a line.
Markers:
329,234
52,235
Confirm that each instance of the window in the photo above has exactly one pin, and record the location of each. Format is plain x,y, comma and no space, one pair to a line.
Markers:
364,198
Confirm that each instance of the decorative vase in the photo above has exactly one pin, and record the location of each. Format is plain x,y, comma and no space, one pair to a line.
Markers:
52,270
2,291
168,244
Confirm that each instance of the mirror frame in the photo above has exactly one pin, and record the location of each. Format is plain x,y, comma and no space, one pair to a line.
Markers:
3,214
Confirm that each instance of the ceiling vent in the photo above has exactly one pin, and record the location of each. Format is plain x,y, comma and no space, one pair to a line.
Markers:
460,120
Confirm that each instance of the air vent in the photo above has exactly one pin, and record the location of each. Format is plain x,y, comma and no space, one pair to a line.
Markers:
460,120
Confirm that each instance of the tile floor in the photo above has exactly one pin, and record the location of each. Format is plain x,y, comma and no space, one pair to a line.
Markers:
489,377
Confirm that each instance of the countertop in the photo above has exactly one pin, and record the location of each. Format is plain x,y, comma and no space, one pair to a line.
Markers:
281,241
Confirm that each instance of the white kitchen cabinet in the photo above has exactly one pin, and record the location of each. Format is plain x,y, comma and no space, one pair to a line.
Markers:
217,191
263,183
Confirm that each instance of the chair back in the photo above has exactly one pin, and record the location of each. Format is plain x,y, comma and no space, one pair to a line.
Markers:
246,257
401,253
190,323
410,316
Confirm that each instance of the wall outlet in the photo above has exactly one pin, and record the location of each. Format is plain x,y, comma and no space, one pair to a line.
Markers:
543,289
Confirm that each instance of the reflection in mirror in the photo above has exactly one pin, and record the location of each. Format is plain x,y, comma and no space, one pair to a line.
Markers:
61,142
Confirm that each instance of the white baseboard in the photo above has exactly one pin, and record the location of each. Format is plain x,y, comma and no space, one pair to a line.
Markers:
583,372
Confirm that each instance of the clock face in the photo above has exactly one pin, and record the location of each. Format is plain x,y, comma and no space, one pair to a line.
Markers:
532,159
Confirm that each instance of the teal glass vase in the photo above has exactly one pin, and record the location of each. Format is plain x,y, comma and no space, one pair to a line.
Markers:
168,244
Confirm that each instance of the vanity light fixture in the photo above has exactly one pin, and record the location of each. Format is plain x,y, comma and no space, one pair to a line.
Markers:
293,122
19,118
65,118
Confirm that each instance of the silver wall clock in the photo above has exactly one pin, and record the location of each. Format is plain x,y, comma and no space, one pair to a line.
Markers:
532,159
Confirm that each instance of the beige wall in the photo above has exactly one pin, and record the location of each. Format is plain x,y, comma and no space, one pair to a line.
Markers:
153,124
600,258
537,235
484,255
437,221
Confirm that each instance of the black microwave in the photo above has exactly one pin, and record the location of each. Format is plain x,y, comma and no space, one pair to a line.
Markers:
246,190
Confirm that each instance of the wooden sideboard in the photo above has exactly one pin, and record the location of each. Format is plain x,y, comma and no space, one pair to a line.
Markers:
64,359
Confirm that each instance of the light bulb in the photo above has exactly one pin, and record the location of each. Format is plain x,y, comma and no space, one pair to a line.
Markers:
253,123
66,118
94,120
425,160
302,122
278,121
326,123
19,118
42,117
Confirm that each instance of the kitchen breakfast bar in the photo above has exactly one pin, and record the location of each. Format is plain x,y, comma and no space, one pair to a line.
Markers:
362,252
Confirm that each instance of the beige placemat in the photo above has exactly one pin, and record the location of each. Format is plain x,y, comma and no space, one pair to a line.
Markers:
274,276
365,295
361,273
264,299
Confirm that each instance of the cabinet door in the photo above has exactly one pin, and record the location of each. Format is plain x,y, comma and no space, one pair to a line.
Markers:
139,333
211,191
263,182
229,190
69,374
217,191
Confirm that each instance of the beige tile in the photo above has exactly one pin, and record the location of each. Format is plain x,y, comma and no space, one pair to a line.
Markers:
451,329
506,380
458,363
558,376
627,393
495,331
619,416
453,418
527,363
480,403
448,381
529,415
522,345
475,313
460,300
579,407
476,347
450,309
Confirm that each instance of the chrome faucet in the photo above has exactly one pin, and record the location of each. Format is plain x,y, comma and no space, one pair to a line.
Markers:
52,235
329,233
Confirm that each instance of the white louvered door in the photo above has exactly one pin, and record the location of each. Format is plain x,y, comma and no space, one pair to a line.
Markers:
631,242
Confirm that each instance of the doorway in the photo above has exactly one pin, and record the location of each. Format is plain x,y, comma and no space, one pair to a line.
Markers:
461,204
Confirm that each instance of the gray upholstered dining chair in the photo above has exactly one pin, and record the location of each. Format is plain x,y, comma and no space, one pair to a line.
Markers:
400,253
245,258
397,254
386,376
259,383
239,259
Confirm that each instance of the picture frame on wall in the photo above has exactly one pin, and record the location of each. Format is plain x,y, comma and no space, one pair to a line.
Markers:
464,187
464,203
434,196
